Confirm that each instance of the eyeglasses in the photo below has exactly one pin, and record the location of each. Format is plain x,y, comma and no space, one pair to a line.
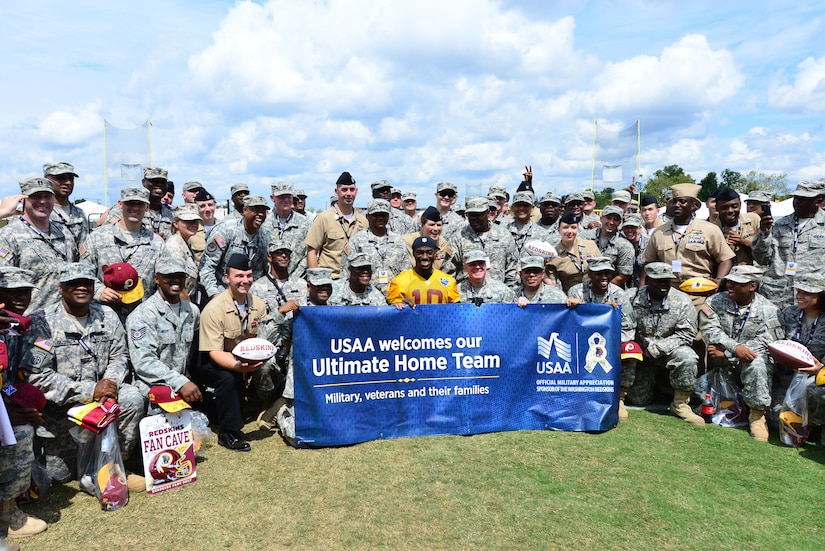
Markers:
282,252
446,193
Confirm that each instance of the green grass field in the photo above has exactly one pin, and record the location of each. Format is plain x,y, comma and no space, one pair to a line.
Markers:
654,482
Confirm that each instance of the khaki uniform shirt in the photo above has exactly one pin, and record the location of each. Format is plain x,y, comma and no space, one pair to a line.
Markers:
223,326
441,255
330,233
570,267
747,228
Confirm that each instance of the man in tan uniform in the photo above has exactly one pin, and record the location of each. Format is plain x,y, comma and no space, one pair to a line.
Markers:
739,228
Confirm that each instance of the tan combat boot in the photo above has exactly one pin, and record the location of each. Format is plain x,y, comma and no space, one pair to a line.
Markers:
20,525
758,425
622,409
680,407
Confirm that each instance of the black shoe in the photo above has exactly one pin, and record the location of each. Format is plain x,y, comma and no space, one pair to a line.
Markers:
233,441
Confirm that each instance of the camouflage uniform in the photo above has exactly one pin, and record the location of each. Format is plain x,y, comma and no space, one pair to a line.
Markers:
547,294
56,361
812,334
638,258
159,222
493,291
666,331
176,247
294,231
618,249
400,223
74,221
775,248
499,246
528,232
721,324
342,295
43,254
226,239
388,255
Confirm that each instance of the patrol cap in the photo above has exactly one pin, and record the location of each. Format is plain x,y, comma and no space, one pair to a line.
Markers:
56,169
613,209
759,197
378,206
359,260
532,262
409,196
588,195
659,270
251,201
345,179
72,271
333,199
477,204
550,197
492,205
523,197
809,284
424,242
573,197
444,186
30,186
168,265
238,261
600,264
745,274
459,208
123,278
380,184
621,195
192,186
278,244
431,214
395,191
319,276
186,212
134,193
476,255
809,189
686,190
152,173
497,191
300,193
238,188
12,277
668,195
204,195
632,220
279,189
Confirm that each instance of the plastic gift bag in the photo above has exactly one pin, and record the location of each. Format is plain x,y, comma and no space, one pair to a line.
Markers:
40,482
202,435
728,403
793,417
100,467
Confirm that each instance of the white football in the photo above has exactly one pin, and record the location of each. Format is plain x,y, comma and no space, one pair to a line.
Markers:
791,354
254,349
540,248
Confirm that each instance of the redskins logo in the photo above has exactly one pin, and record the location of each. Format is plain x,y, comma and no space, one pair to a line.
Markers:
128,285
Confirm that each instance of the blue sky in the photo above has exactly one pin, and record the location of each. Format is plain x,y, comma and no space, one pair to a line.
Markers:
412,92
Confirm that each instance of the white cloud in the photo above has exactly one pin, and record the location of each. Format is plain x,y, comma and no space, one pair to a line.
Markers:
71,128
807,93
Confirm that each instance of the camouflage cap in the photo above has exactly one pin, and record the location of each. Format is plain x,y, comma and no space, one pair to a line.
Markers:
523,197
30,186
167,265
621,195
186,212
600,264
12,277
745,274
378,206
444,186
409,196
359,260
192,186
659,270
134,193
809,283
299,193
477,204
380,184
459,208
278,244
532,262
251,201
497,191
573,197
395,191
588,195
237,188
476,255
809,189
759,197
152,173
319,276
56,169
72,271
279,189
632,220
613,209
550,197
686,190
493,204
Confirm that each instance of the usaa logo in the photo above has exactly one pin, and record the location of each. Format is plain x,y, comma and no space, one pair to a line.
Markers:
560,363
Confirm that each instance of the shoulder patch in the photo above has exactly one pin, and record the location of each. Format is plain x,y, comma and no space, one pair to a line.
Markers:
138,334
4,252
707,310
114,220
220,242
44,344
347,250
82,249
211,248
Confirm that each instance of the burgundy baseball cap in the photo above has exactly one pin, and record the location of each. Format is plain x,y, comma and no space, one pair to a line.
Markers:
123,278
25,395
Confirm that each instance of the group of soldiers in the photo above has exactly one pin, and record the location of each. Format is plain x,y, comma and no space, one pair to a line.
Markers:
156,295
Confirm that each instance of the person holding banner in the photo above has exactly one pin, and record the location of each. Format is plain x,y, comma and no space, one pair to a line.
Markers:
478,288
356,290
422,284
597,289
533,290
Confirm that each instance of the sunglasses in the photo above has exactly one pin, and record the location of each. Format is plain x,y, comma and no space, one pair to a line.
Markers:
446,193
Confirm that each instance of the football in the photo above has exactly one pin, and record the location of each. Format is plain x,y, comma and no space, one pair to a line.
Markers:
698,286
791,354
254,349
540,248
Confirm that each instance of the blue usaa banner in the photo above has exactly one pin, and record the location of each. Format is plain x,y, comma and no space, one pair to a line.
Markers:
369,372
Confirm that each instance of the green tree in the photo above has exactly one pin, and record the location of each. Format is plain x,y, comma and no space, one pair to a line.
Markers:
731,178
603,197
759,181
709,185
663,179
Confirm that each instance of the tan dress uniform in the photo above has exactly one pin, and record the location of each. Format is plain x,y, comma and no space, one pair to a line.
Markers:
444,250
570,267
330,233
747,227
